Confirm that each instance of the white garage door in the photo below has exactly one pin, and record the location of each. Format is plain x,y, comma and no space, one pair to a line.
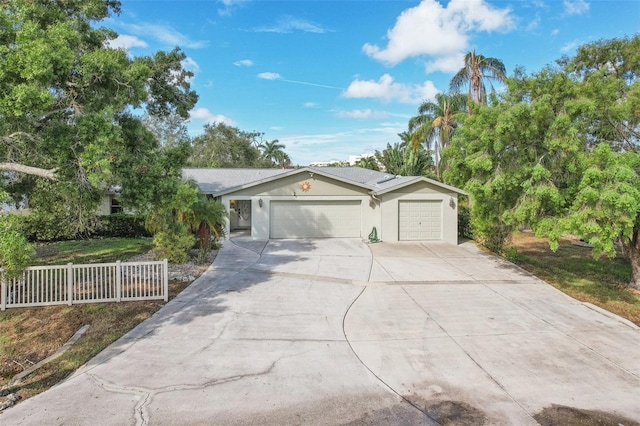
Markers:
315,219
420,220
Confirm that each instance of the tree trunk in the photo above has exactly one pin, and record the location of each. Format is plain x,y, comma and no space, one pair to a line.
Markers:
34,171
633,251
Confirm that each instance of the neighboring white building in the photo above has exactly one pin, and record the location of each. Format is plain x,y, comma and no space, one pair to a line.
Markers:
355,159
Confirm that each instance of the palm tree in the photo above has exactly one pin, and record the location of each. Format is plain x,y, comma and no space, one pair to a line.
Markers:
369,163
436,123
282,159
477,68
273,151
206,217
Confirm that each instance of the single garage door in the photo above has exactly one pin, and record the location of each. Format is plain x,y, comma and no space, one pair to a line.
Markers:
420,220
315,219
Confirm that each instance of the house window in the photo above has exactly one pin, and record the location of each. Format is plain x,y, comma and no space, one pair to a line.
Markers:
116,207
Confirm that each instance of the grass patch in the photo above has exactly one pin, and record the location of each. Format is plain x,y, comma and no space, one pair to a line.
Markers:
104,250
573,270
28,335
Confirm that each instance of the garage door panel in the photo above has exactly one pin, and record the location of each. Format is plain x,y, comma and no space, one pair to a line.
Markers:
315,219
420,220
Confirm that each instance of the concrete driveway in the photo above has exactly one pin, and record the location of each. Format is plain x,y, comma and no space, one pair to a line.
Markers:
337,332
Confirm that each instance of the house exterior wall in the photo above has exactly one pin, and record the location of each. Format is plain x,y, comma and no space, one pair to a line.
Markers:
104,209
419,191
381,212
289,189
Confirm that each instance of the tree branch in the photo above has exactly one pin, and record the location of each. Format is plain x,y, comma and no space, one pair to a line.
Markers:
34,171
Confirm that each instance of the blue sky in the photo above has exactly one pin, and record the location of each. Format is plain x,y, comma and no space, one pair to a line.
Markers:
331,79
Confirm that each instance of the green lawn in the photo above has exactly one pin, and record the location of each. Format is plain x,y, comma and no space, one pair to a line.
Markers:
90,251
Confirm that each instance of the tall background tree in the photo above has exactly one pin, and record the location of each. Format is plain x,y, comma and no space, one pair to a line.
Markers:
435,123
222,145
477,68
559,152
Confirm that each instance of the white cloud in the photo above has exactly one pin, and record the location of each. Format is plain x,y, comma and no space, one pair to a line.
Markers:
569,46
190,65
577,7
209,117
362,114
388,90
432,29
269,76
310,105
228,6
289,24
165,35
555,32
126,42
535,23
449,63
244,63
308,147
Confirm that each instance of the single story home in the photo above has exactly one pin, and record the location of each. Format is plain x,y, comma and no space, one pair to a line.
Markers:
316,202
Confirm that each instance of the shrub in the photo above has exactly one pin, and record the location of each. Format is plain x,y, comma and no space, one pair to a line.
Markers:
173,246
464,222
15,252
120,225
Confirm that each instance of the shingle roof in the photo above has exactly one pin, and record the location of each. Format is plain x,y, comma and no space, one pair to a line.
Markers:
216,181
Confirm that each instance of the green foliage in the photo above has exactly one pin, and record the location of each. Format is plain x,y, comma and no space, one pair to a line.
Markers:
173,245
60,211
179,216
274,151
15,251
120,225
477,68
66,104
558,152
226,146
436,123
369,163
402,159
465,230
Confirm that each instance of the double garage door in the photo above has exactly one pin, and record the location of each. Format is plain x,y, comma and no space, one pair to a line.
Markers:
315,219
419,220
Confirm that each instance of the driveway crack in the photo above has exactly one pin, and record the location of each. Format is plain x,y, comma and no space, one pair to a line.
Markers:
424,412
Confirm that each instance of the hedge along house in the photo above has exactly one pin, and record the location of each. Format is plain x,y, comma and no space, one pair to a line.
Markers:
332,202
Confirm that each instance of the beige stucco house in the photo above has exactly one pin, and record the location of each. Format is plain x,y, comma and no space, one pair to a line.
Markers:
332,202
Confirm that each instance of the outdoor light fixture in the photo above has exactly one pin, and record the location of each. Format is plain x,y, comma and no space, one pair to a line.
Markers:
260,202
452,203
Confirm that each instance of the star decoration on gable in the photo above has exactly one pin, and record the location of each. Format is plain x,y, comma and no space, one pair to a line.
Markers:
305,186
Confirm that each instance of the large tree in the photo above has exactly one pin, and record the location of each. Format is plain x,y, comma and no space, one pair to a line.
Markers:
435,123
222,145
66,98
559,152
477,68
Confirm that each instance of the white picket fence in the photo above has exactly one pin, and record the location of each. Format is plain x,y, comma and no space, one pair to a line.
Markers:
71,284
